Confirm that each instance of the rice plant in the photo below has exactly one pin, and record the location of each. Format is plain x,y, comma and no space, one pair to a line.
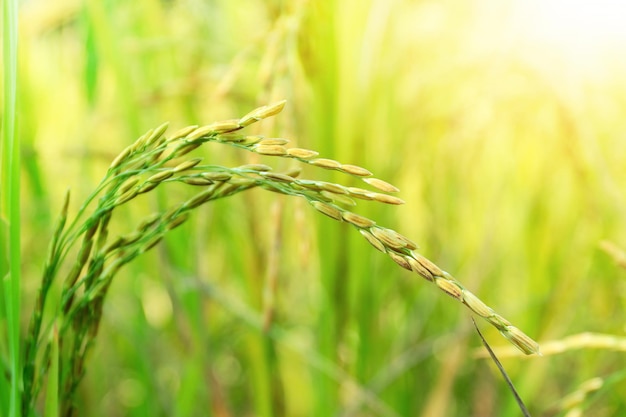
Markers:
510,163
58,346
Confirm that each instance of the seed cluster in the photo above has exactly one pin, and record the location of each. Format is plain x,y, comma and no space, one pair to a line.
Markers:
328,198
155,159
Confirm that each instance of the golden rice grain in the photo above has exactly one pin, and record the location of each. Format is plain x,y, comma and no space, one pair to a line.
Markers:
273,141
197,181
419,269
187,165
248,119
426,263
333,188
272,150
372,240
238,182
229,137
225,126
147,186
121,157
408,243
156,134
181,133
186,148
387,199
271,109
355,170
278,177
358,221
250,140
325,163
202,197
293,171
499,322
400,260
128,195
381,185
450,288
262,113
476,305
310,185
160,176
140,144
327,209
216,176
389,237
200,132
127,185
360,193
521,340
301,153
395,239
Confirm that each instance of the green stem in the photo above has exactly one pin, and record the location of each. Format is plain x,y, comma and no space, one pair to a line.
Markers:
11,171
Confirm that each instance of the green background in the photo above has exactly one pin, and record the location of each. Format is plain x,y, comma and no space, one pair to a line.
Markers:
511,159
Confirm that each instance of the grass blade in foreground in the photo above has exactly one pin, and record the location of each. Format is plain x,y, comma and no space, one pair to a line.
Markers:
10,176
518,399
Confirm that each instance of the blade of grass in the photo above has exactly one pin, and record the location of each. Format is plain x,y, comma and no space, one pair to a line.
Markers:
11,199
4,270
4,365
518,399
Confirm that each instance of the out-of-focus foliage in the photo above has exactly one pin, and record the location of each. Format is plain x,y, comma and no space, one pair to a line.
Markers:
510,155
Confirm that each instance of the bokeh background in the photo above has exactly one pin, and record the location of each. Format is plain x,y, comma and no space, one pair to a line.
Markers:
502,122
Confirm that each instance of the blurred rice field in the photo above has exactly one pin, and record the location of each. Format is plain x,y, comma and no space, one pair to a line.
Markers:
509,150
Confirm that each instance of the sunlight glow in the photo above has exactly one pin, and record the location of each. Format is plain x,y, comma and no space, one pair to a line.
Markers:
577,29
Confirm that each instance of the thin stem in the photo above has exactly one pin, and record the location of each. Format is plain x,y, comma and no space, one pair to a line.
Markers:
11,173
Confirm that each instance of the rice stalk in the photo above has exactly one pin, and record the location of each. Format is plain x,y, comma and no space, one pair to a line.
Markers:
586,340
155,160
399,248
615,252
573,404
